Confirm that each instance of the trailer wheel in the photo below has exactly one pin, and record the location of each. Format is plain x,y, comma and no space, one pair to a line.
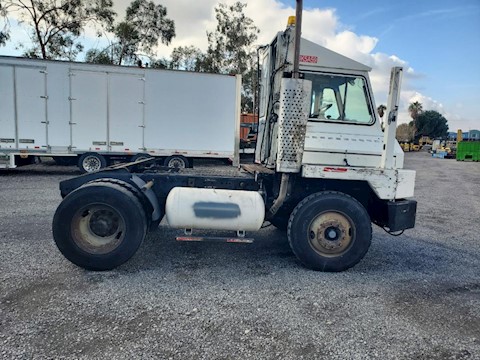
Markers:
140,157
176,161
91,162
329,231
99,226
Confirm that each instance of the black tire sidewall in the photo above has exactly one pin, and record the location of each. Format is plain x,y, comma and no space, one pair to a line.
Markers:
308,210
123,202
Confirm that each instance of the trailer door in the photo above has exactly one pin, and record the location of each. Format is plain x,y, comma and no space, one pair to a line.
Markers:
89,110
7,106
31,107
126,102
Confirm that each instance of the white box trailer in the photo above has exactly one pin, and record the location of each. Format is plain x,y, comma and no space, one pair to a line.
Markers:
95,114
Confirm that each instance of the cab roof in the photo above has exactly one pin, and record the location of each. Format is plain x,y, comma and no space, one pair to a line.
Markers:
314,55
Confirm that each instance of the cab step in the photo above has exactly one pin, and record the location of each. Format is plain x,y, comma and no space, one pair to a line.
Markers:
238,240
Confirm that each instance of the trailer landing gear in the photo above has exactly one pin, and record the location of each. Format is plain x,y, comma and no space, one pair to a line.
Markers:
329,231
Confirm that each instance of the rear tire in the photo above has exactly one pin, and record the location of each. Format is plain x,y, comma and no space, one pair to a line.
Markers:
99,226
91,162
329,231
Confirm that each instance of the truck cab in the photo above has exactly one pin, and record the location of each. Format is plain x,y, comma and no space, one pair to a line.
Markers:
343,127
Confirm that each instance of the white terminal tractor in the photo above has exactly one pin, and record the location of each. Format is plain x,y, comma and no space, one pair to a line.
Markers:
324,171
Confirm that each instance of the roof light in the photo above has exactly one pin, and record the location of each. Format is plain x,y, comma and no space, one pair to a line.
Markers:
291,21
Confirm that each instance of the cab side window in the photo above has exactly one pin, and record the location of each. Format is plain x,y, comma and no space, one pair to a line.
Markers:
339,98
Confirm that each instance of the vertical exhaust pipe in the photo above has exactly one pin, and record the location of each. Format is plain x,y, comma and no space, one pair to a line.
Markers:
298,36
277,204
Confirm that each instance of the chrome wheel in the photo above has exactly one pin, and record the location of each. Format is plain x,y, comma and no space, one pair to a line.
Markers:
177,162
91,163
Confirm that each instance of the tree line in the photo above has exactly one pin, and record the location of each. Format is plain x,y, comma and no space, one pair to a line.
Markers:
55,28
424,123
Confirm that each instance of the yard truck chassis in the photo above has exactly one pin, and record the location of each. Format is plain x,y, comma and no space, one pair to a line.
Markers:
324,171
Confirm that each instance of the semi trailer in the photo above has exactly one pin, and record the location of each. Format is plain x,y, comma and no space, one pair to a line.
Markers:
96,115
324,171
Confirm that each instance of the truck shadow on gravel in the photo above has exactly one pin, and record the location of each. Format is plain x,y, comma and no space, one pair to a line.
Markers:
161,252
398,257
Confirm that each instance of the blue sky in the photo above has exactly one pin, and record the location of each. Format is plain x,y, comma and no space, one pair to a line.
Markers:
438,42
439,39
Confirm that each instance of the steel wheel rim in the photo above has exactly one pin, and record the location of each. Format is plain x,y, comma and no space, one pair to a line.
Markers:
98,228
331,233
91,163
177,163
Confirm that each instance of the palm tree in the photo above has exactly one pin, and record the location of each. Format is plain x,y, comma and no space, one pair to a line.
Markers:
415,109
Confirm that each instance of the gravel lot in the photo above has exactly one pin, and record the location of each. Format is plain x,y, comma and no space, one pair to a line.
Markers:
416,296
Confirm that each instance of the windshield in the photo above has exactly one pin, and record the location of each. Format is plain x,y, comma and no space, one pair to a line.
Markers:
339,98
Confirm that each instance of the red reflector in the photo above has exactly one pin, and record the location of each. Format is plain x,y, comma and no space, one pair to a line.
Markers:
332,169
97,148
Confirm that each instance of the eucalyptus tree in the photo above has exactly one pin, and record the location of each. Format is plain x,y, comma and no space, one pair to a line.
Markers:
55,26
145,26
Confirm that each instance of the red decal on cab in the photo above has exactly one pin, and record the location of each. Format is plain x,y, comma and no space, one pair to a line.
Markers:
309,59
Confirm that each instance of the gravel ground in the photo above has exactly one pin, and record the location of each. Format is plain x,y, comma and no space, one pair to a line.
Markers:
416,296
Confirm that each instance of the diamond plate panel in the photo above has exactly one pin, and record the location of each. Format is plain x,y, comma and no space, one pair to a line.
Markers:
294,110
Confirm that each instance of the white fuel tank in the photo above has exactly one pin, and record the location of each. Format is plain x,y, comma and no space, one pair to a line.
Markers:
192,208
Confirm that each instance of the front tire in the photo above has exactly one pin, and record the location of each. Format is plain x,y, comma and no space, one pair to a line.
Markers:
99,226
329,231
